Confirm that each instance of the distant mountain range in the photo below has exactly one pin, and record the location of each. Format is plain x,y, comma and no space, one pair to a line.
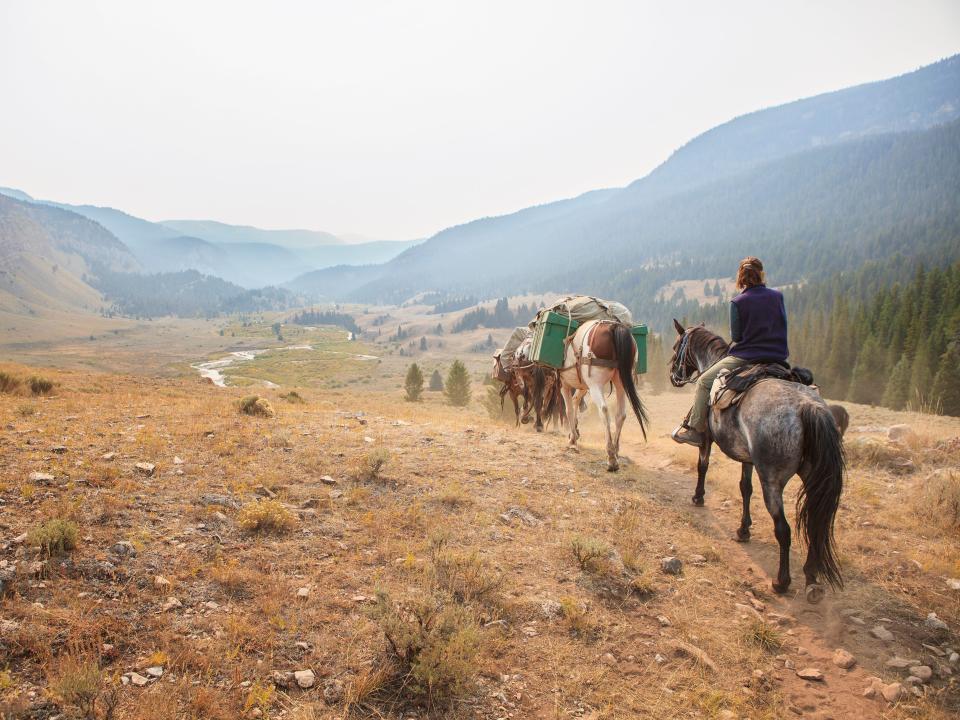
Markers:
776,183
248,256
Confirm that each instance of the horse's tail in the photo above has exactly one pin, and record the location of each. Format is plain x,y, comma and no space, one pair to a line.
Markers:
624,349
539,384
819,498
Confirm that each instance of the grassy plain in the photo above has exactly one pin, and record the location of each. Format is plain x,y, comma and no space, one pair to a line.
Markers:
255,547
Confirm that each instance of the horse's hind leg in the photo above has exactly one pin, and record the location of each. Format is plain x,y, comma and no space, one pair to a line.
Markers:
571,401
596,392
773,499
703,464
746,489
621,416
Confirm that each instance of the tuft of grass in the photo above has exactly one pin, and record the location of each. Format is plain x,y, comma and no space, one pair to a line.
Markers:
868,452
40,385
293,397
433,647
78,684
453,496
26,410
9,383
256,406
55,536
938,499
577,618
589,552
265,516
364,688
370,464
763,635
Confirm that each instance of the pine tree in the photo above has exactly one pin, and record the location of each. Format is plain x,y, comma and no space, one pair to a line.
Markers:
897,392
457,387
707,290
946,383
717,290
436,382
414,383
423,343
866,385
921,378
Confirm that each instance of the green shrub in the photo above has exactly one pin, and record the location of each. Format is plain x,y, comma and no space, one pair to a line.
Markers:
433,646
466,577
256,406
370,464
55,536
293,397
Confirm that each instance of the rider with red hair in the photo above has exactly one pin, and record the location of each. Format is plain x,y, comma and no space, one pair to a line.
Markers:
758,327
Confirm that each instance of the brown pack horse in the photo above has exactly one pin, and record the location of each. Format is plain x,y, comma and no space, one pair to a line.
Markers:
599,353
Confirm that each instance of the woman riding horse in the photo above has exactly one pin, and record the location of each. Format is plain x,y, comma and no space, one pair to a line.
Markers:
758,326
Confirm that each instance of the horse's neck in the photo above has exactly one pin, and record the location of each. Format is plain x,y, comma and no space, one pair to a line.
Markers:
710,353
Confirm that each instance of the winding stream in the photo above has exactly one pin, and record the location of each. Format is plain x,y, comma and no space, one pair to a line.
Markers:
213,369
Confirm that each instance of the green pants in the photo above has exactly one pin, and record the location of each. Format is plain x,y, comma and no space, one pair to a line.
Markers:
698,413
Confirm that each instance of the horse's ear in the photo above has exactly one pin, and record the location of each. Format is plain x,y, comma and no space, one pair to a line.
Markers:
703,323
679,327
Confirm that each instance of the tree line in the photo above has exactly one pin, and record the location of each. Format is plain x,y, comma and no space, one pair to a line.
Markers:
500,317
327,317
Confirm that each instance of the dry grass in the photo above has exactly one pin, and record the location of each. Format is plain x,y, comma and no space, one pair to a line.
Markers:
553,611
9,383
938,499
265,516
256,406
369,465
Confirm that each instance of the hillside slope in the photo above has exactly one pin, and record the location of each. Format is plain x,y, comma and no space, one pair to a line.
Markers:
537,246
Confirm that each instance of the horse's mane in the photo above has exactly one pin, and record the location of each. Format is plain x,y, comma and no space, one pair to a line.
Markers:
702,339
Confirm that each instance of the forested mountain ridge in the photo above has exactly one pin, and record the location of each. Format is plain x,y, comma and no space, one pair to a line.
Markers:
535,247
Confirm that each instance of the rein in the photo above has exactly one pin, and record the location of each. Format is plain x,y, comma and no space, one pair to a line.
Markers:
681,363
684,351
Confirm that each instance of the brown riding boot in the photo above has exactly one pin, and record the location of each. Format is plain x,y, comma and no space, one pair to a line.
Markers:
687,435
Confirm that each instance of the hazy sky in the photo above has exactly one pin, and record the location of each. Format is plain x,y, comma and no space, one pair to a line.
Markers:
397,119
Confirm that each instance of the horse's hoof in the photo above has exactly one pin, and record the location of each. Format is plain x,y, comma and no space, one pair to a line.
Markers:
815,593
525,421
743,535
612,467
780,589
698,501
538,428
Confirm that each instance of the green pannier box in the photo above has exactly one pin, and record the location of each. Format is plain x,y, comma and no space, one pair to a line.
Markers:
552,329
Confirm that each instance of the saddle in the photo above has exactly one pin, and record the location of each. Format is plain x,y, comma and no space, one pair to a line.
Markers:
731,385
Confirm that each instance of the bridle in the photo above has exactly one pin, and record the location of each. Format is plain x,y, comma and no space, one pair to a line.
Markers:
680,364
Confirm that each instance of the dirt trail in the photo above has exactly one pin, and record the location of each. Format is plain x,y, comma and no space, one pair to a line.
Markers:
818,630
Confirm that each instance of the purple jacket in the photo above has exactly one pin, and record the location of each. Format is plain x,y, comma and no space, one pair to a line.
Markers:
758,325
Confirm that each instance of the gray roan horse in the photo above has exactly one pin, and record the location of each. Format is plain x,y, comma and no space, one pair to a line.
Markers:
781,428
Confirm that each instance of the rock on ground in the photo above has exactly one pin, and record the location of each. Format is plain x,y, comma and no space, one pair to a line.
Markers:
305,679
843,659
